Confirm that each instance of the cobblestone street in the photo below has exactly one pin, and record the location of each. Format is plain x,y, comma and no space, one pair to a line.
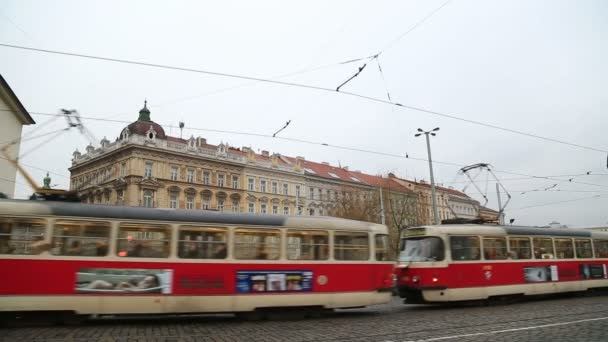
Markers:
563,319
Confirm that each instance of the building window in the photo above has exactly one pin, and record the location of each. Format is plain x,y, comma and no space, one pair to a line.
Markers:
220,181
120,197
300,210
285,189
311,212
148,198
173,173
173,200
251,208
250,184
263,186
320,191
190,176
205,205
285,210
190,202
263,209
235,206
220,205
275,187
311,193
123,169
235,182
148,170
275,209
297,191
206,177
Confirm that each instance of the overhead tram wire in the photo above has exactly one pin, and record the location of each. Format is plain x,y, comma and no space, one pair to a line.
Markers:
306,86
330,145
559,202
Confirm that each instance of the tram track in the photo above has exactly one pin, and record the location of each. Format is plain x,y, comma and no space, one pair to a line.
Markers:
391,323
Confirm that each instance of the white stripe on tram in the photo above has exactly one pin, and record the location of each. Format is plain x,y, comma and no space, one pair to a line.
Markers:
506,330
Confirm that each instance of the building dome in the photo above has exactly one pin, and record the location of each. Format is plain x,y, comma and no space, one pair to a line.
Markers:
143,125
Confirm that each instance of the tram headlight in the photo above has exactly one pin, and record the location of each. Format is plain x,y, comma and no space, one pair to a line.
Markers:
415,279
435,279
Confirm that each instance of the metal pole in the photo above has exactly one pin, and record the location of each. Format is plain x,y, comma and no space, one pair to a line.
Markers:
428,147
382,207
500,214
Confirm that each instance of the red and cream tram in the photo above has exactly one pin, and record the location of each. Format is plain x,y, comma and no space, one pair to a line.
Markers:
462,262
83,259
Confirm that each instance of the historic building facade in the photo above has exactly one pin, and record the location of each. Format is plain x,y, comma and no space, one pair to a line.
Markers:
145,167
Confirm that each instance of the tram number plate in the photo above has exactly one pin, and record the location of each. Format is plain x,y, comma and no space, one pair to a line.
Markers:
415,232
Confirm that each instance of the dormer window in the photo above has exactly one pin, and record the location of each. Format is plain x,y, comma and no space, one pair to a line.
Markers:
151,134
125,134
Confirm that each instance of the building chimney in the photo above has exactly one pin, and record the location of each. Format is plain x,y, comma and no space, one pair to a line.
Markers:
265,153
391,175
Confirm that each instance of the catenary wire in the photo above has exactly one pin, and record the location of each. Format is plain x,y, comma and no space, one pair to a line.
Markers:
306,86
331,145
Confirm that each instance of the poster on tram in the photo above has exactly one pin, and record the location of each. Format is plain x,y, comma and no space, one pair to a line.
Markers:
273,281
123,280
537,274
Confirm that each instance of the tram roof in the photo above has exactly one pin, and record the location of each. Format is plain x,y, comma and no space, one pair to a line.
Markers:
482,229
42,208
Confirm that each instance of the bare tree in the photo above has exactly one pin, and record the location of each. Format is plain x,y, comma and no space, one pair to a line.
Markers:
400,208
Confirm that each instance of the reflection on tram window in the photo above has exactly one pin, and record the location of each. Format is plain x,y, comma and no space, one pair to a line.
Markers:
143,241
82,238
422,249
381,247
351,246
601,248
202,243
543,248
564,249
494,248
307,245
19,236
520,248
465,248
583,248
257,244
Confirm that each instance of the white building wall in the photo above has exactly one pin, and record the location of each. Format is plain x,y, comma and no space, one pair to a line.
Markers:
10,129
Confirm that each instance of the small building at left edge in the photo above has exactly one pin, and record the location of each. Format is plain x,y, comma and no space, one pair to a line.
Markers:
13,116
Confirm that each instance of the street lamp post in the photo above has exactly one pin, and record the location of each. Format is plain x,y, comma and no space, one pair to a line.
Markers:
428,147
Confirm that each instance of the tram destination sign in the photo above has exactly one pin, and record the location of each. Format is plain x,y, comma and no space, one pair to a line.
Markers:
415,232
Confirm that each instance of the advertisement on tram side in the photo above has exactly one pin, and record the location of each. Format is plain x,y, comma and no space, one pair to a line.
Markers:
537,274
592,271
273,281
120,280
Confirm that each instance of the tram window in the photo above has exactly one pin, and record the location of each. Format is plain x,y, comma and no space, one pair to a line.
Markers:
143,241
465,248
307,245
601,248
252,244
20,236
81,238
519,248
351,246
381,247
202,243
494,248
422,249
564,249
583,248
543,248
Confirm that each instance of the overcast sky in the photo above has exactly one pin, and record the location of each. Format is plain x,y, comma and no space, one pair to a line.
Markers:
533,66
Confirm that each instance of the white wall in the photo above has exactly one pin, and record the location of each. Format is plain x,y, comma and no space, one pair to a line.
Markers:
10,129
